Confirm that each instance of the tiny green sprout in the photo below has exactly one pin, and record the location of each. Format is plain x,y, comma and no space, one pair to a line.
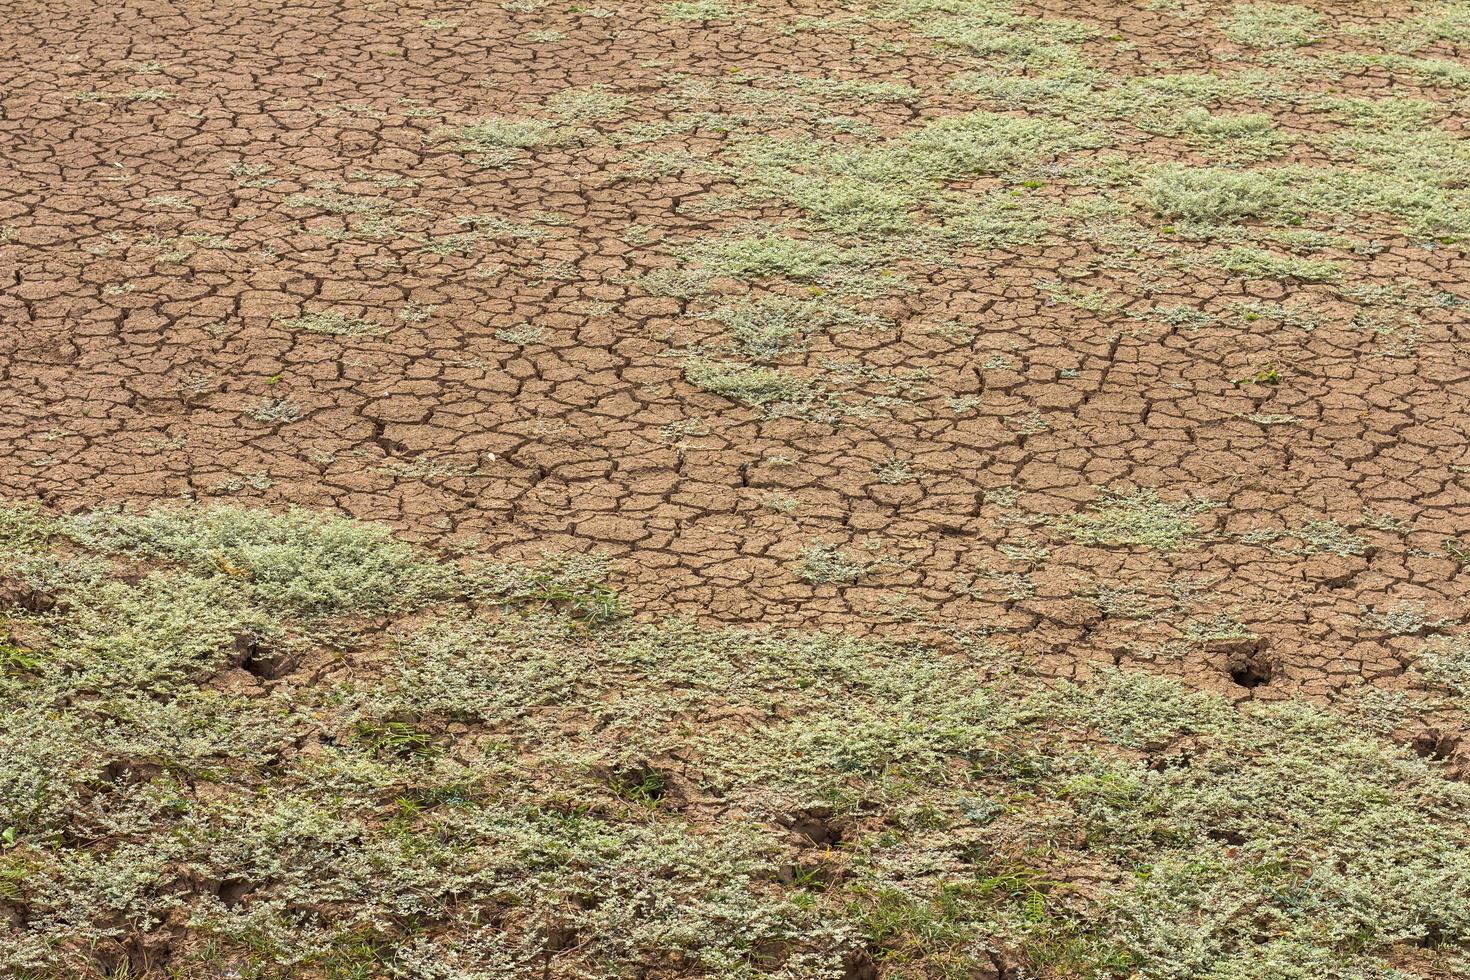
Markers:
645,787
1267,374
396,739
1033,184
16,659
809,878
273,379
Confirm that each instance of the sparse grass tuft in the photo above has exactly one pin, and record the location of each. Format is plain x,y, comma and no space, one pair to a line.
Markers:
774,325
573,584
594,103
1248,262
699,10
766,256
280,410
1446,661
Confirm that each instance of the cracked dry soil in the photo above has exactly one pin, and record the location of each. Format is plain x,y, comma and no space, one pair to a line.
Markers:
250,254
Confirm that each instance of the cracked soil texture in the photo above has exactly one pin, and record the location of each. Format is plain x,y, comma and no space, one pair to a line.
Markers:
258,252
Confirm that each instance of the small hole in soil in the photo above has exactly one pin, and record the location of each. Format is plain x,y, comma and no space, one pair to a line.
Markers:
22,596
1248,676
1175,760
231,890
560,936
125,773
815,824
255,659
139,955
1251,670
1434,745
269,668
770,953
859,965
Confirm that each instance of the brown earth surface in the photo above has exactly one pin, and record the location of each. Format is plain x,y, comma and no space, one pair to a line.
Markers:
180,181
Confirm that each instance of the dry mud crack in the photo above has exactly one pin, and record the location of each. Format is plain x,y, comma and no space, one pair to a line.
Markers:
1110,356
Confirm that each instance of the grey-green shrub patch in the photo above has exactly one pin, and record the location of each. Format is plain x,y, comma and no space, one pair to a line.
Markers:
747,384
1273,25
1210,195
749,803
298,563
1138,517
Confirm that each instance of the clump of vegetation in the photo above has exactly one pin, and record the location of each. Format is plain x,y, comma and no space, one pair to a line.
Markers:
1266,374
822,564
848,204
523,335
569,583
497,140
976,143
1446,661
334,324
1403,619
1313,537
1245,136
1025,45
1137,517
1210,195
765,256
280,410
1254,263
699,10
773,325
298,562
992,221
594,103
1272,25
880,189
747,384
